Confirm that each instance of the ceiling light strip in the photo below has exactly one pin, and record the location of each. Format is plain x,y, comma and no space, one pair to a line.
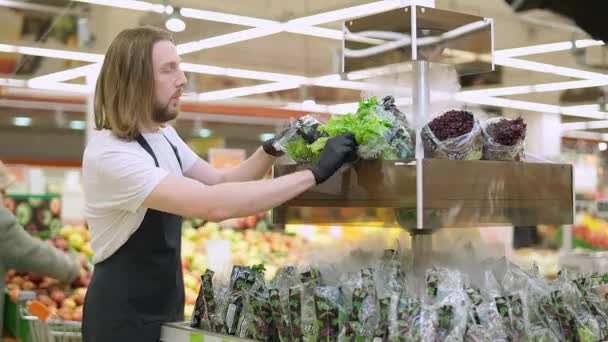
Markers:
226,18
128,4
245,91
545,48
351,12
241,73
535,88
550,69
227,39
70,74
52,53
11,82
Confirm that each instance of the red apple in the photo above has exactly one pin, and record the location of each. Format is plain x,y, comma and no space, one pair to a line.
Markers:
58,296
77,315
251,221
46,300
35,278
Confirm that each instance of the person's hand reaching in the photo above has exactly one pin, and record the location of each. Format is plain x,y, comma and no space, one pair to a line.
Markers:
338,150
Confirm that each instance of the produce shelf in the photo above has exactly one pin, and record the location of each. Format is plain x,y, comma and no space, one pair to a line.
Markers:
182,332
455,193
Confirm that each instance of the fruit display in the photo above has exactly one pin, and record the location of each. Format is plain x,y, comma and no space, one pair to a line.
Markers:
590,233
64,300
40,215
366,298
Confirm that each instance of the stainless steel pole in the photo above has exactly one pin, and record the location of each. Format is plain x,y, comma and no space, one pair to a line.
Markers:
421,243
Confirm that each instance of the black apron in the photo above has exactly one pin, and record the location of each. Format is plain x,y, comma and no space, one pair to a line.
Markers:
141,285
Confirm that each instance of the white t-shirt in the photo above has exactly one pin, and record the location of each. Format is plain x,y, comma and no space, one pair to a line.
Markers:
118,176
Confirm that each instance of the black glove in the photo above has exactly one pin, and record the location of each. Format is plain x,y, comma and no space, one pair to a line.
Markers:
338,150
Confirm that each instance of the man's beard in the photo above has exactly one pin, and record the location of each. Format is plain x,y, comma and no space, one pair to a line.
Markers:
162,114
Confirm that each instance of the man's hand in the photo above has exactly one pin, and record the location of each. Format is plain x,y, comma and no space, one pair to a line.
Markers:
338,150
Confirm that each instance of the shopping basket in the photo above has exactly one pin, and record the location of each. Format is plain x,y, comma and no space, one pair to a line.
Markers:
35,323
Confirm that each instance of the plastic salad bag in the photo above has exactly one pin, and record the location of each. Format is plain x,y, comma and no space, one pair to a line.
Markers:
380,130
504,139
454,135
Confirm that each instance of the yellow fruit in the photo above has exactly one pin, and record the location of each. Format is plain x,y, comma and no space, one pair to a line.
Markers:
66,231
87,250
76,241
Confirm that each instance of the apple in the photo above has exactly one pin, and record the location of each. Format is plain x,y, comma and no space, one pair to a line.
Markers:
18,280
58,296
61,244
35,278
76,240
28,285
251,221
65,313
69,302
77,315
191,296
79,295
46,300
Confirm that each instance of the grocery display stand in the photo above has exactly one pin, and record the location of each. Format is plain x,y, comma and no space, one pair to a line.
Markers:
426,194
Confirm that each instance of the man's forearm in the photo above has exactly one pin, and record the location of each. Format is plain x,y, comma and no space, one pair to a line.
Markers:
254,168
256,196
189,198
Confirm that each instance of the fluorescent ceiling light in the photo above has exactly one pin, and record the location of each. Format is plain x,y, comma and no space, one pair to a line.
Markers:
59,86
241,73
78,124
22,121
320,32
549,69
531,106
169,10
245,91
52,53
226,39
175,25
129,4
226,18
346,13
70,74
11,82
204,133
544,48
535,88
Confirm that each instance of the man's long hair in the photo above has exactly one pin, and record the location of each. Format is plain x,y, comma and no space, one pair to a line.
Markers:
125,93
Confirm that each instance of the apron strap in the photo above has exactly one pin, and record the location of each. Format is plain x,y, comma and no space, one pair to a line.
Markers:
144,144
179,160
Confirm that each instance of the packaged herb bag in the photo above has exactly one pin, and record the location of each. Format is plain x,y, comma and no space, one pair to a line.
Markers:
454,135
504,139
